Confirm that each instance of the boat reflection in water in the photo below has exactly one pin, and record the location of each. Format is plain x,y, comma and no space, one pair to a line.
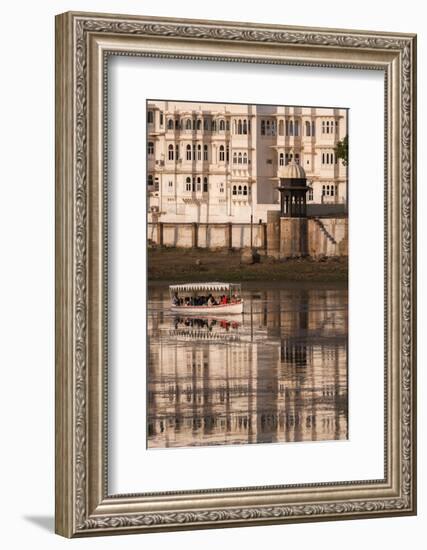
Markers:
277,373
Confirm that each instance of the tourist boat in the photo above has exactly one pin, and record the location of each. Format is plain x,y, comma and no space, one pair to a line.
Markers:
185,299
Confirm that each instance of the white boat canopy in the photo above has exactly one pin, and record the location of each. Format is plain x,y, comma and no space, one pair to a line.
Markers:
191,287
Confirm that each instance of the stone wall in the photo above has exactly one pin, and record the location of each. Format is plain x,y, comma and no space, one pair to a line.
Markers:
327,237
280,237
213,235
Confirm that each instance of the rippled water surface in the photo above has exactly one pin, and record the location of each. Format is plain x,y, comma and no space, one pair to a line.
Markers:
277,373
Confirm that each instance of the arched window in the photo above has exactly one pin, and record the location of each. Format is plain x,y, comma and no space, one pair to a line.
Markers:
221,153
188,124
281,159
199,152
199,184
227,155
214,126
307,128
150,117
150,148
188,148
205,124
194,123
239,127
245,190
268,128
297,158
170,152
287,127
205,185
296,128
313,128
194,184
245,158
227,125
291,127
249,126
234,190
177,152
170,124
245,126
240,158
327,126
280,127
239,190
332,190
234,157
221,125
205,152
323,158
177,124
323,127
188,184
199,124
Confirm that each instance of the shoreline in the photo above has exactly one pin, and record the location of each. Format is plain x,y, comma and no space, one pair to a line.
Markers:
201,265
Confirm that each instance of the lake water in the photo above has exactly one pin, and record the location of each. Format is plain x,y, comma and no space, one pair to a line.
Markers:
277,373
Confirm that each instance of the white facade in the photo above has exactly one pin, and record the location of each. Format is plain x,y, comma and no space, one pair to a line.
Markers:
218,163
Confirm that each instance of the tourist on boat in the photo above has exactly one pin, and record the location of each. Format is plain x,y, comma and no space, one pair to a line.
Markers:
197,296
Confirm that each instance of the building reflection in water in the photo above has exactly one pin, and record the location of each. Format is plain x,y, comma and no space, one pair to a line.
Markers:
277,373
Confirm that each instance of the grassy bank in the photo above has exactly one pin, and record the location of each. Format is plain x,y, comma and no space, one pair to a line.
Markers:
186,265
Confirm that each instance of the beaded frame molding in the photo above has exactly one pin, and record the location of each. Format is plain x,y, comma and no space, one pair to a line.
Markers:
84,42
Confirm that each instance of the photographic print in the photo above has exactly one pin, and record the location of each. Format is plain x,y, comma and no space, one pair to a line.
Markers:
247,273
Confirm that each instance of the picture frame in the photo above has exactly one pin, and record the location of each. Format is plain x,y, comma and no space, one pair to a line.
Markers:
84,41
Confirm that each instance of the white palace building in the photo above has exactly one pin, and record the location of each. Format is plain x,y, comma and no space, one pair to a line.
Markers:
221,163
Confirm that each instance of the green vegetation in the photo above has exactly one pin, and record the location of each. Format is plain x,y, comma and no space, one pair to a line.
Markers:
341,150
186,265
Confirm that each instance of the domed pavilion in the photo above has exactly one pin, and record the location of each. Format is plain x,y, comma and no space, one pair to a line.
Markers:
293,188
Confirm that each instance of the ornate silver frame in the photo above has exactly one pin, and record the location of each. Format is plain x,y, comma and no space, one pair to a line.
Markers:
83,42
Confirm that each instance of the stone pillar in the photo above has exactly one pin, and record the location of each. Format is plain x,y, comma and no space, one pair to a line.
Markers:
264,236
293,237
159,233
229,236
273,233
343,244
194,235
